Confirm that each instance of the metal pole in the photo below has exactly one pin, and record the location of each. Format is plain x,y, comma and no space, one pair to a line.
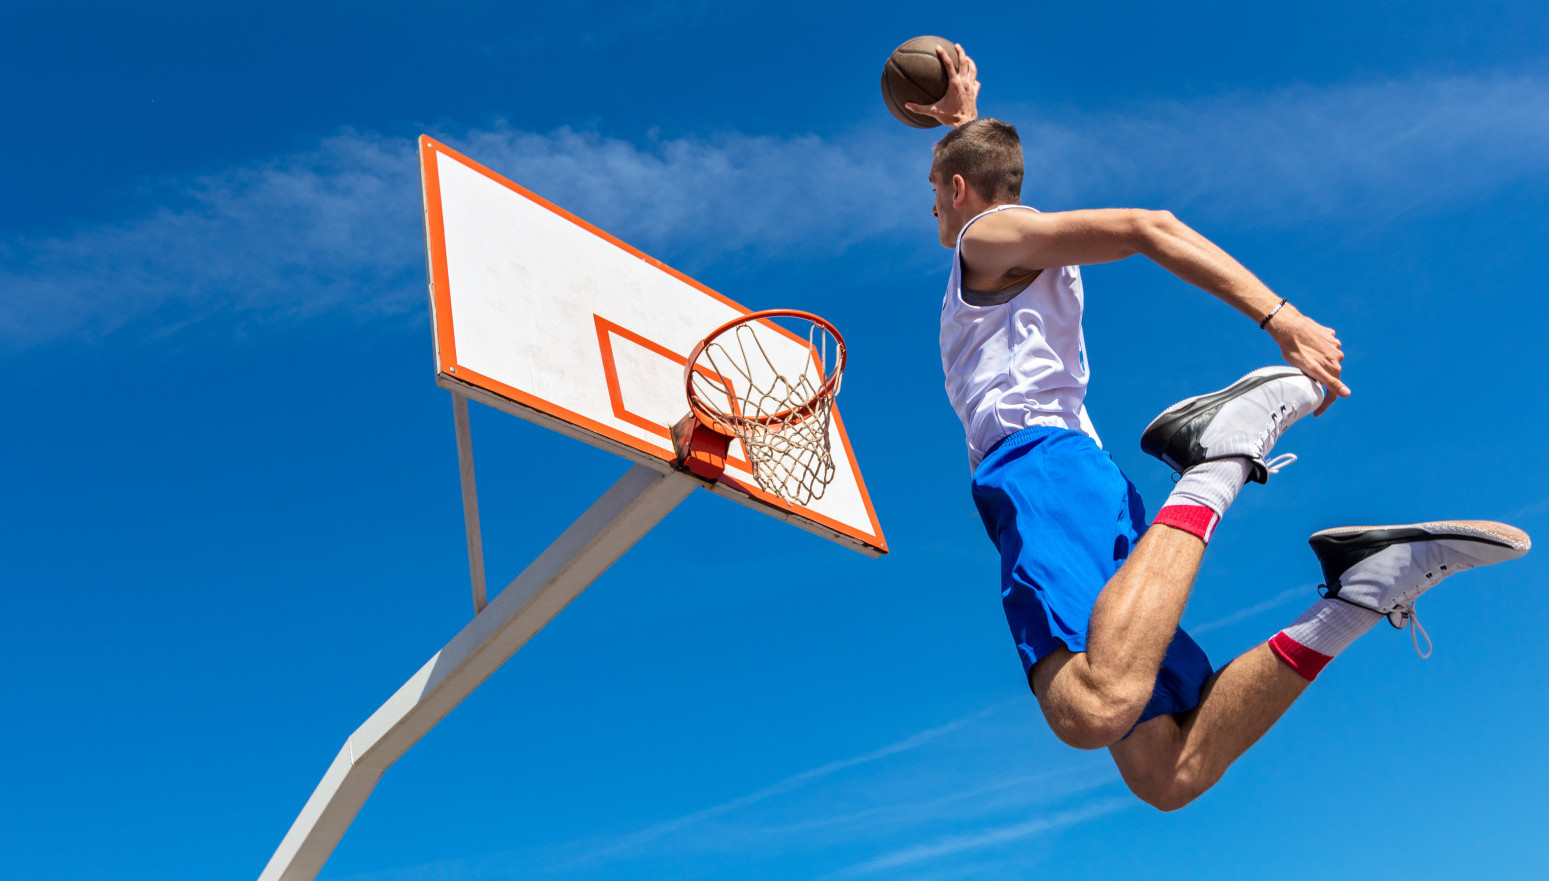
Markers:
470,499
624,514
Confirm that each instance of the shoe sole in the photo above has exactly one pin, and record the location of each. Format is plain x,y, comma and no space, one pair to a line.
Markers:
1487,531
1340,548
1175,418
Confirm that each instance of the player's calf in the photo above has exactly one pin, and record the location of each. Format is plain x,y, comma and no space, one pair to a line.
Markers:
1163,788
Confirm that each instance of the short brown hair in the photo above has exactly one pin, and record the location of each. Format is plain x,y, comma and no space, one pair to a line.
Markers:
988,154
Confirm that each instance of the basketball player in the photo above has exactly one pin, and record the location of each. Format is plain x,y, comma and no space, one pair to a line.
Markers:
1092,595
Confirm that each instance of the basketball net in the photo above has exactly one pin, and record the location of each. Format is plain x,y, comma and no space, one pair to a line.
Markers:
779,409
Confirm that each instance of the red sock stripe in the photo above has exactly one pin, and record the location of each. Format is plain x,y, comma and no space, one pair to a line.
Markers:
1306,662
1196,520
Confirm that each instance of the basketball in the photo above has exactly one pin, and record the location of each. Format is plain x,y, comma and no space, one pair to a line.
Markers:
914,74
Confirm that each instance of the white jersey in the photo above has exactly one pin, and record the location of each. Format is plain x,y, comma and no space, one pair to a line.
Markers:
1014,363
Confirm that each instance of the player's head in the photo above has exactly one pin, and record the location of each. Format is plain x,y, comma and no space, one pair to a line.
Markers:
986,155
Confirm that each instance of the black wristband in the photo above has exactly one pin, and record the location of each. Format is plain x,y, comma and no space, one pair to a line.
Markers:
1265,323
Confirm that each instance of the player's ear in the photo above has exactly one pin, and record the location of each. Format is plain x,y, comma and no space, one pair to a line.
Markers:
959,191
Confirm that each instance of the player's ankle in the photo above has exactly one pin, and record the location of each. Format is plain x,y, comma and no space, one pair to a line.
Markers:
1320,634
1212,484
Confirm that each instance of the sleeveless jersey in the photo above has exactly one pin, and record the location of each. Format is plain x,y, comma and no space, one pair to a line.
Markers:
1016,364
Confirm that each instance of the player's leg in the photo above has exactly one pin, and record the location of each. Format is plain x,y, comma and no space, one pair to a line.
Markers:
1169,761
1218,442
1372,572
1065,519
1092,698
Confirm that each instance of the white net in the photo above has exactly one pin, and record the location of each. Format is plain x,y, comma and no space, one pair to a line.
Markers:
776,398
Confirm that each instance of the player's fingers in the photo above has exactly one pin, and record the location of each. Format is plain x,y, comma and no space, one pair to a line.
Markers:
1336,390
947,61
964,63
1319,372
1334,381
1338,387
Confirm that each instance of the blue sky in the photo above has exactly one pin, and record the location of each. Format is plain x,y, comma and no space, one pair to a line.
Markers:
232,524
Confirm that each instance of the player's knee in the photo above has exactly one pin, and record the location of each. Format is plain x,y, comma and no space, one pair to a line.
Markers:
1098,721
1084,733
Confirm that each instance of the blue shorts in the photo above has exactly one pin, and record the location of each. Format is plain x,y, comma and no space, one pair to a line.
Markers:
1064,518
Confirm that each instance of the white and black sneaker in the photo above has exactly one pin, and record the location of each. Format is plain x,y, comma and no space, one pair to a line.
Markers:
1386,568
1244,419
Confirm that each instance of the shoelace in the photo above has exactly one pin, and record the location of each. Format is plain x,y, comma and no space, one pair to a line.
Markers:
1404,611
1274,465
1271,432
1402,614
1407,614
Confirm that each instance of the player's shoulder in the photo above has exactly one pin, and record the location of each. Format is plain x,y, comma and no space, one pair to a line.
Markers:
1004,223
995,237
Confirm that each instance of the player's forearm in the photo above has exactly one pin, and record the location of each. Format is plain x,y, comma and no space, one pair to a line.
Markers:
1185,253
1305,344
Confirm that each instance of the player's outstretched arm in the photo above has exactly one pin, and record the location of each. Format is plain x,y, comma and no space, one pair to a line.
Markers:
961,102
1013,244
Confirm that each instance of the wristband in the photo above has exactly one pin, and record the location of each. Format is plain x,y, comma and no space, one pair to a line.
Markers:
1265,323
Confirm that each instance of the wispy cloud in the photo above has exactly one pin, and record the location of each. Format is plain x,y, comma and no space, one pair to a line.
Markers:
1006,792
337,228
332,229
951,790
1370,151
958,844
1305,593
1531,509
789,784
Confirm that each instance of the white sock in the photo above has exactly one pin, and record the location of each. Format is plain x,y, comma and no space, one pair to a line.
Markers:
1330,626
1322,632
1212,484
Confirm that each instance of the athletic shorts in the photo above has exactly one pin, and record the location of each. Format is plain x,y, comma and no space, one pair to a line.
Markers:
1064,518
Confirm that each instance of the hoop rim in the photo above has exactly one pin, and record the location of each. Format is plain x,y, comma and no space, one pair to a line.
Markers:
718,422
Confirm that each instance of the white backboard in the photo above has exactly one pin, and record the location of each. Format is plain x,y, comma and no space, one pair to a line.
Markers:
542,315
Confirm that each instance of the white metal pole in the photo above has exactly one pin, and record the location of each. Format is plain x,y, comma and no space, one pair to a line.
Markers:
624,514
470,499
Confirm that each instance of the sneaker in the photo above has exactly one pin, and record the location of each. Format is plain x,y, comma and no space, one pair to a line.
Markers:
1385,568
1243,419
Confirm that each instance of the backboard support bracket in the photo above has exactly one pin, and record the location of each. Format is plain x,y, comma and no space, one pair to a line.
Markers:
701,450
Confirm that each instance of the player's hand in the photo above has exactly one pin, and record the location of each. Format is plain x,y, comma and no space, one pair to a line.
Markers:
961,102
1311,348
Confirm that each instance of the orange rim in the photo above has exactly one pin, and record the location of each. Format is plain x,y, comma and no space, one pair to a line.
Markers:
718,421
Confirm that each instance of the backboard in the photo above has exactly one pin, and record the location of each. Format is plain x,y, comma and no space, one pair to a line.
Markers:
542,315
